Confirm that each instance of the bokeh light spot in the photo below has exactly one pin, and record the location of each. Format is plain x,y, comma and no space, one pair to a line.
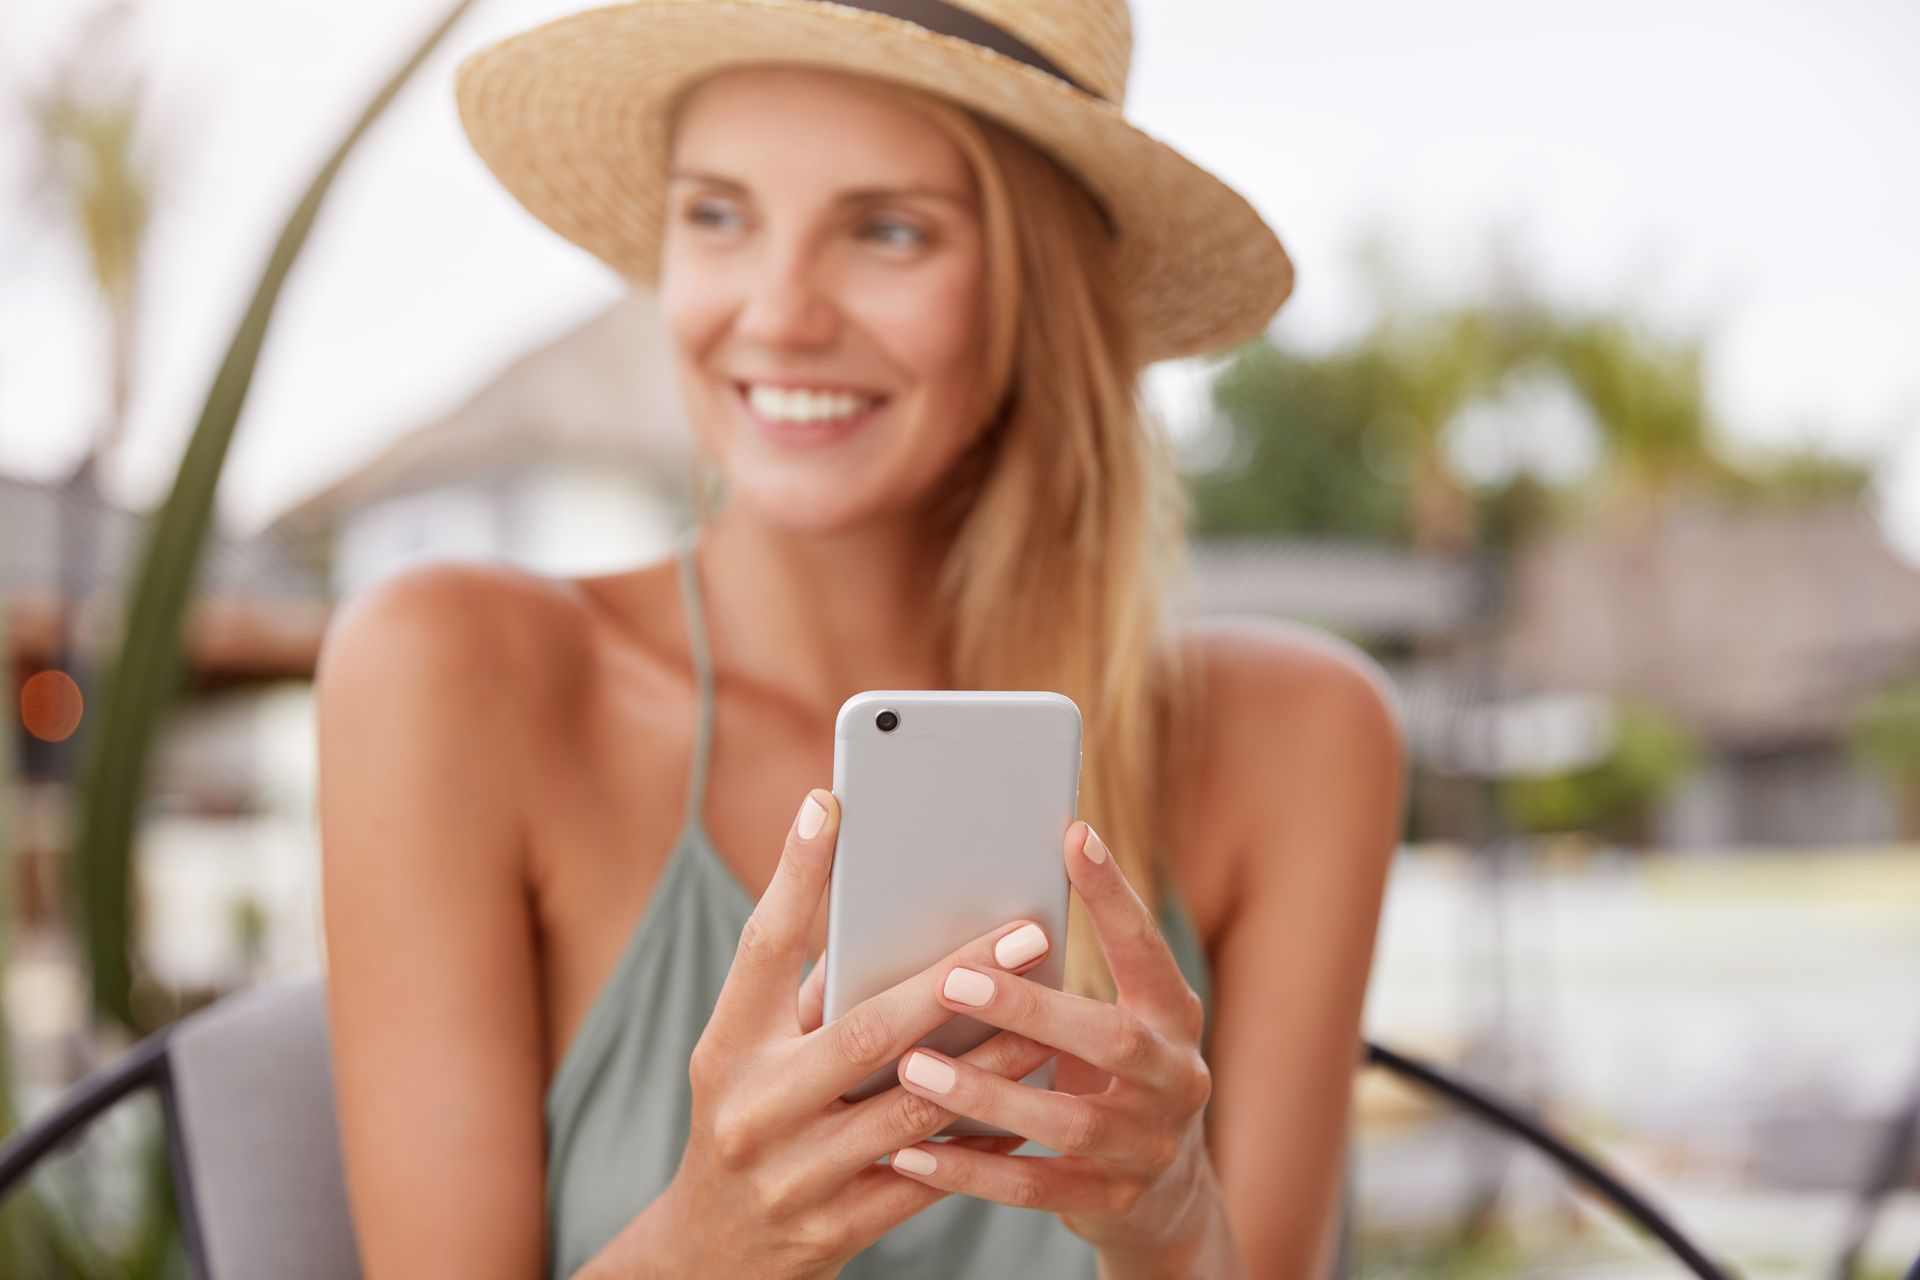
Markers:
50,705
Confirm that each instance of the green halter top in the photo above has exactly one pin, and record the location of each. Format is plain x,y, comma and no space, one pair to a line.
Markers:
619,1107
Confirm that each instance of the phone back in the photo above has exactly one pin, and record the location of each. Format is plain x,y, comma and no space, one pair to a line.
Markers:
950,825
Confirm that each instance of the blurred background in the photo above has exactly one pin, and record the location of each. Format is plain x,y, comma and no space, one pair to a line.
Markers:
1595,418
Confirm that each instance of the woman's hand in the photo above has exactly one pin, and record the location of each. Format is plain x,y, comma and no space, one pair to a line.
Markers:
1134,1177
779,1176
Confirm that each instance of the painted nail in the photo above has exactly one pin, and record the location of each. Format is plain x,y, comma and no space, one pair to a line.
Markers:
913,1160
1020,946
929,1072
968,987
813,816
1095,848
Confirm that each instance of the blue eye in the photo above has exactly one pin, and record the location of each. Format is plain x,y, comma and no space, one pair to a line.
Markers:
709,214
913,236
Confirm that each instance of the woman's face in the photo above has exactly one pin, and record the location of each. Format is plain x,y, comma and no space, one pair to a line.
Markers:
822,274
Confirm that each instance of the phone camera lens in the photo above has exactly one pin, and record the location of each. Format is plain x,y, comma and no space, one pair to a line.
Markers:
887,721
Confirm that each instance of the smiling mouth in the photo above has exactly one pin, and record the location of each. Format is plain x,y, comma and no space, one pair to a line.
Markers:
806,407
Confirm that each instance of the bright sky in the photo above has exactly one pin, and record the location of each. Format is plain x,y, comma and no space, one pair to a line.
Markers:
1745,167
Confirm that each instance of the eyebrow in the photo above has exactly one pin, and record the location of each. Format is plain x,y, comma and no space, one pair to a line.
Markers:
858,195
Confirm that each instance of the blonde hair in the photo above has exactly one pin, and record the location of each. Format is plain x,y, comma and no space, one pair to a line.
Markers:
1062,526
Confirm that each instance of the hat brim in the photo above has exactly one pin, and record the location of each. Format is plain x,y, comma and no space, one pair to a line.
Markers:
571,117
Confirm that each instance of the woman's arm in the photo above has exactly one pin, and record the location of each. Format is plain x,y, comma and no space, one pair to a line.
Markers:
431,988
1311,739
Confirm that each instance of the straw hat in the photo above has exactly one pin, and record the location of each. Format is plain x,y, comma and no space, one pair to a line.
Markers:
571,117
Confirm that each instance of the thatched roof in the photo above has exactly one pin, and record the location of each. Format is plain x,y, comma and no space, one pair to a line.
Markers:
259,606
1760,628
602,392
36,514
1369,591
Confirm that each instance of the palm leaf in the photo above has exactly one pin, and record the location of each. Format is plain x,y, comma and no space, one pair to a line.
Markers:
142,681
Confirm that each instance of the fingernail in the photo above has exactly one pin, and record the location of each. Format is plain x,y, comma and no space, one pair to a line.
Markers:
968,987
813,816
1020,946
913,1160
1095,848
929,1072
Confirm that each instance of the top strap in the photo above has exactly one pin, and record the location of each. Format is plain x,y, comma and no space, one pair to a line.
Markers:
703,677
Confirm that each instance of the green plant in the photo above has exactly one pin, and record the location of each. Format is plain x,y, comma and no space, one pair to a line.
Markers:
1651,754
1352,441
1884,734
1884,730
143,679
38,1235
1458,1253
56,1234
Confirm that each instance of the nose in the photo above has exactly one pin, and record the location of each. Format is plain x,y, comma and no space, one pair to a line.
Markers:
788,303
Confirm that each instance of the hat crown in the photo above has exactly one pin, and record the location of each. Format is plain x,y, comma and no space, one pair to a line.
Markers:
1090,40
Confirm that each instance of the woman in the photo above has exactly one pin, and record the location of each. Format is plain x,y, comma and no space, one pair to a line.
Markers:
911,262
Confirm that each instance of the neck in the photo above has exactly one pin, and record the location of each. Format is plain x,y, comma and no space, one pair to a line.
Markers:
815,617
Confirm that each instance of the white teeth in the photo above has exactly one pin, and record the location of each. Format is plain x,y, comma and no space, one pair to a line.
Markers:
795,405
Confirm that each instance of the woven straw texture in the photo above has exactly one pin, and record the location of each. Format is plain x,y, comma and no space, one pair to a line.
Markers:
571,117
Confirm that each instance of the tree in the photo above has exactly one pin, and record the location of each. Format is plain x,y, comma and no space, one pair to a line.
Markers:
1884,732
1353,442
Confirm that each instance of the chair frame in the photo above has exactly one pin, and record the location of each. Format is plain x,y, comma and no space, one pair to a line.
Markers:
1483,1103
147,1065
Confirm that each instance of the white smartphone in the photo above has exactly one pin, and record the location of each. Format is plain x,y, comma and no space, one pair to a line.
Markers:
953,808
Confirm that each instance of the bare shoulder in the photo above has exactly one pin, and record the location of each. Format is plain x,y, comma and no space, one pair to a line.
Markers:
470,668
473,640
467,613
1303,734
1268,675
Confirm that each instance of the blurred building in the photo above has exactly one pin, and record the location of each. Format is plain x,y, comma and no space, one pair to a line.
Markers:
1762,631
223,880
259,603
576,458
1430,620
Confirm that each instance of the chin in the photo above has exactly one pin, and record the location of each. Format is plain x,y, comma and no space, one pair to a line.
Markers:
803,503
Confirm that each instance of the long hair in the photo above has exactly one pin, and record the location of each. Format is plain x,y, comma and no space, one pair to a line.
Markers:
1061,527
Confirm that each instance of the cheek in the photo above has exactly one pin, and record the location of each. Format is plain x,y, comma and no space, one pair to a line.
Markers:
931,330
694,310
691,303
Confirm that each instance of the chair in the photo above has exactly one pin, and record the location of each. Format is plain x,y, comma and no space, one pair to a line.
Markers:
246,1090
1501,1114
246,1087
